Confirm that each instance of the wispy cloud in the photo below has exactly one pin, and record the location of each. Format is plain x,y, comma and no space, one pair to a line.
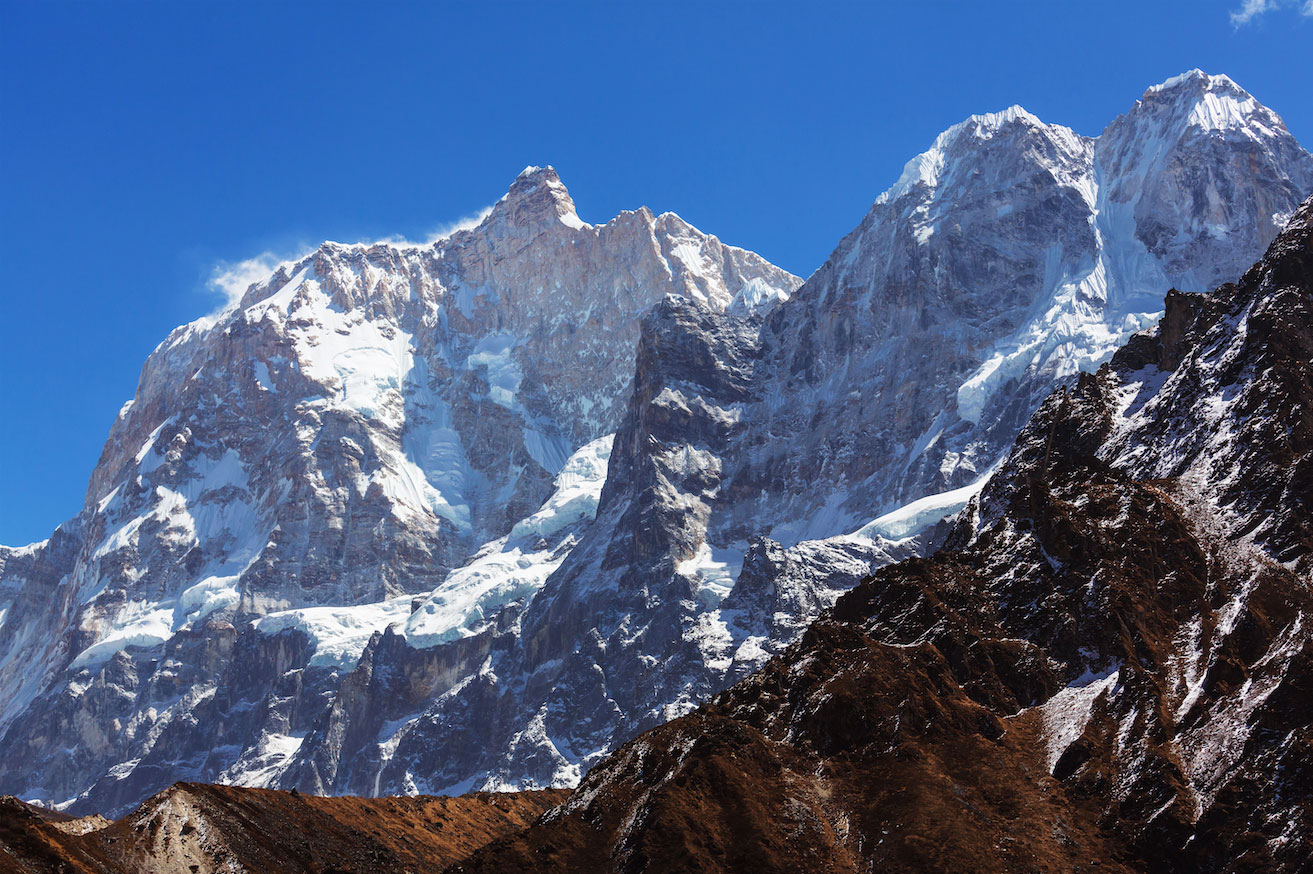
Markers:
473,220
441,232
231,279
1251,9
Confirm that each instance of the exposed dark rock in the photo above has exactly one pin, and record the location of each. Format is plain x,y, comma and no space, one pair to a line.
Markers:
1106,669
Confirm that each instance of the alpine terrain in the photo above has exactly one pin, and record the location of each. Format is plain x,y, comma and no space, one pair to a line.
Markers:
1106,668
471,515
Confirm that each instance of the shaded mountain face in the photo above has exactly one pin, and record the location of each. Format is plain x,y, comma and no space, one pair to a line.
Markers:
369,531
1106,668
197,828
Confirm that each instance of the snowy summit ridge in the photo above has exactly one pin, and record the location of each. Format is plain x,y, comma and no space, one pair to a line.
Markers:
925,168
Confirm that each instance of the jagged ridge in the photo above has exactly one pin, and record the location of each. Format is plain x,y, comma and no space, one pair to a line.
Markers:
1102,671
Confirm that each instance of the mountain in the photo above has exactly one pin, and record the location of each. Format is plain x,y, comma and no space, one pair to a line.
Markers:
368,532
762,470
365,424
1107,668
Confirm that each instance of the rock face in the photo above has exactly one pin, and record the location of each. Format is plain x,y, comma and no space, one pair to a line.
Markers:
1106,668
373,435
1011,254
369,531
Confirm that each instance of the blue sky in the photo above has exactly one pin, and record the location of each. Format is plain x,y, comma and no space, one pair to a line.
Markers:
143,146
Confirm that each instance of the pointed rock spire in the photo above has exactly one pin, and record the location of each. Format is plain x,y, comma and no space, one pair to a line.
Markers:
536,198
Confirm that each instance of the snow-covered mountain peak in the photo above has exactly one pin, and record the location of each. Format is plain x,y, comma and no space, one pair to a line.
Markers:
983,125
367,423
1021,253
1195,79
392,433
534,171
964,140
1168,169
1198,102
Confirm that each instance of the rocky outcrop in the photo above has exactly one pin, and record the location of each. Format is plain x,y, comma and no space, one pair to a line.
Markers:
1105,669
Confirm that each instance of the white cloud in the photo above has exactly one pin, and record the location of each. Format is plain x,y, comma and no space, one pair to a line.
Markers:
473,220
232,278
1251,9
441,232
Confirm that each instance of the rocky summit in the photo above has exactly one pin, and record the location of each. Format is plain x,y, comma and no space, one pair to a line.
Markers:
996,528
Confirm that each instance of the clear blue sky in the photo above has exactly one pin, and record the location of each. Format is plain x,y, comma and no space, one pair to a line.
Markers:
142,144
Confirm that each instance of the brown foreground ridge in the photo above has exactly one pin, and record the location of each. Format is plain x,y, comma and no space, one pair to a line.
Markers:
194,828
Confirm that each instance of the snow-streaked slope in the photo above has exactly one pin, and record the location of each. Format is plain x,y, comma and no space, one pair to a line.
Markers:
504,571
374,435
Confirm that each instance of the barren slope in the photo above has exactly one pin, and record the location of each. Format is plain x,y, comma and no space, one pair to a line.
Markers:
201,828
